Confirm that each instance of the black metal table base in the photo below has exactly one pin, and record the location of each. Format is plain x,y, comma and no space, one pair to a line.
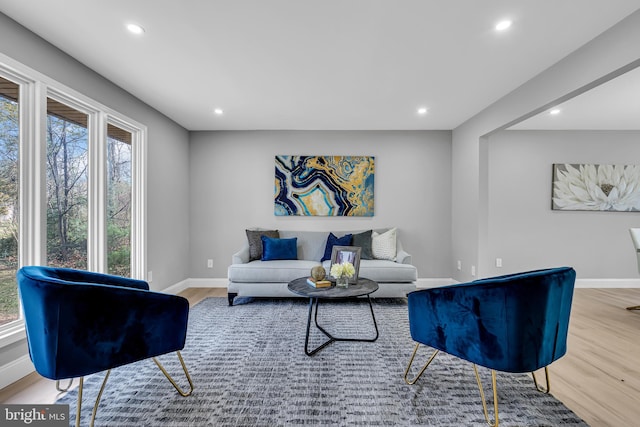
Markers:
331,337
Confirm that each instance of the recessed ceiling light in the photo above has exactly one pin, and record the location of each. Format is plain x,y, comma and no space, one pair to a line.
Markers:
218,111
135,29
503,25
555,111
422,110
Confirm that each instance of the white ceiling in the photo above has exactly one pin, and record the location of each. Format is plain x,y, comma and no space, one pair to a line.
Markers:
320,64
612,105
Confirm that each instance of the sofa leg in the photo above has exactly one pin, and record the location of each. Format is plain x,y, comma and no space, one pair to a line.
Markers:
231,296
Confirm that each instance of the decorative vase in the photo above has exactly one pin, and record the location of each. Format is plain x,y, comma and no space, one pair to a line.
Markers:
318,272
342,282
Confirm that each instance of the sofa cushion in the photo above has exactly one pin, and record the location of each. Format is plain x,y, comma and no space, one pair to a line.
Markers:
363,240
383,271
388,271
332,241
383,246
255,241
270,271
310,243
275,249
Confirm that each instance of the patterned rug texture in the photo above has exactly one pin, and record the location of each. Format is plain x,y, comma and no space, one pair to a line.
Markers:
249,369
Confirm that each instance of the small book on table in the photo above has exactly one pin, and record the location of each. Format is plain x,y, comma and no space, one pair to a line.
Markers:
318,283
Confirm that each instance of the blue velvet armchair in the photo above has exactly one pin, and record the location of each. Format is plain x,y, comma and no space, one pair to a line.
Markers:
513,323
79,323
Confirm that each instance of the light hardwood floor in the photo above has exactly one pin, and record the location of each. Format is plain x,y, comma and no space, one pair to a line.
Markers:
599,378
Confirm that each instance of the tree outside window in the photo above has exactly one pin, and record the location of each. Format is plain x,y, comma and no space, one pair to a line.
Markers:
118,201
67,191
9,143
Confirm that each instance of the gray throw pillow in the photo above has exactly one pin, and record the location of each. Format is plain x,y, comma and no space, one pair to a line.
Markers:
364,241
255,241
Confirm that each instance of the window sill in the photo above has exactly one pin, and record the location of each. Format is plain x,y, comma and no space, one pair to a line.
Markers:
12,333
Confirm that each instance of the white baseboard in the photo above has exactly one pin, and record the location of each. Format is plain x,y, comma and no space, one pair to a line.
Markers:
608,283
435,282
223,282
423,283
15,370
177,288
197,283
580,283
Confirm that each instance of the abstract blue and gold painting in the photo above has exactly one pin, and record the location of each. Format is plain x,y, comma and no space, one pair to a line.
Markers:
324,185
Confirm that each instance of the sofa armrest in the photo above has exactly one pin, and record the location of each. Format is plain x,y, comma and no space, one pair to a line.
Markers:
241,257
403,257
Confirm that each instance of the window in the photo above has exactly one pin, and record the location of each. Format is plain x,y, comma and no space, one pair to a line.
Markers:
9,144
67,191
118,201
72,189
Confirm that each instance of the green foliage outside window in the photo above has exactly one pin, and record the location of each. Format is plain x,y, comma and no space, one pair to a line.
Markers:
9,140
67,193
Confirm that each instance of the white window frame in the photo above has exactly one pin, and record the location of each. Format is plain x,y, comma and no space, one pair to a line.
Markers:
35,88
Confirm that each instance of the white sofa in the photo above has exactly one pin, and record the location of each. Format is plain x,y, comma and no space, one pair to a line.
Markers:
270,278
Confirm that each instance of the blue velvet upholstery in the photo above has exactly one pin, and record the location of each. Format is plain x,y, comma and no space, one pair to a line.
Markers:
79,323
513,323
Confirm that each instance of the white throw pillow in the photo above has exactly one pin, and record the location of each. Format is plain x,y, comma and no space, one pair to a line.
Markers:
383,246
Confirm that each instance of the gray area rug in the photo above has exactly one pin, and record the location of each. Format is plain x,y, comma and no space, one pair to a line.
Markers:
249,369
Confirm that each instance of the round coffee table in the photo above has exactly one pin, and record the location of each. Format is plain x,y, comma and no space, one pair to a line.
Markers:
363,288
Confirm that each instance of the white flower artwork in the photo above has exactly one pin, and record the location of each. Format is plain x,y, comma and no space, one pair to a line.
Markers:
589,187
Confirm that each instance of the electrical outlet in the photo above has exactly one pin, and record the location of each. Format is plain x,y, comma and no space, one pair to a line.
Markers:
459,265
473,270
209,263
499,262
150,276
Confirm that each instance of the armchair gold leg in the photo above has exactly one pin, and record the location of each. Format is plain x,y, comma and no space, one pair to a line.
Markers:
426,365
540,388
175,385
95,407
104,383
63,389
79,402
634,307
484,401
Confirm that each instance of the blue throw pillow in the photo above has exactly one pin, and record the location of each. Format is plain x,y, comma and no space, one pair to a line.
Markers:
273,248
332,241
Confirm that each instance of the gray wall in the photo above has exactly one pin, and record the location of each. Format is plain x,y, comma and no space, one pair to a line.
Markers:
167,171
604,57
167,161
232,188
527,234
